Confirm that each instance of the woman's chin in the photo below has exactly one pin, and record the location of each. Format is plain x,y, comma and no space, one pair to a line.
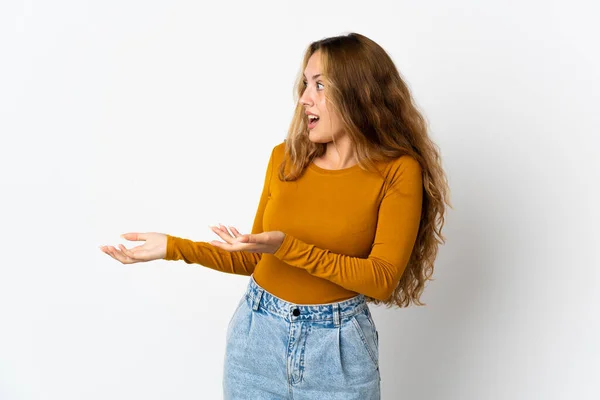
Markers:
316,138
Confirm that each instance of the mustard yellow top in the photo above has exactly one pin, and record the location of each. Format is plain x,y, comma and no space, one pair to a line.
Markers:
347,231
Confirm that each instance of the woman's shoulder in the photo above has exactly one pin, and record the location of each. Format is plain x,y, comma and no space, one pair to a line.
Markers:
278,152
279,148
408,162
403,163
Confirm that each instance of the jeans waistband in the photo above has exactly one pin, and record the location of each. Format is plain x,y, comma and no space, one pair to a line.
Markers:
337,311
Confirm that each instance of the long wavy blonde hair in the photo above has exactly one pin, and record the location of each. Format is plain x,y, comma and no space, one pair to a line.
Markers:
382,120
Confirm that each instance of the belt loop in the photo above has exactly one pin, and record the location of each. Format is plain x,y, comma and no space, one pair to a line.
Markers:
336,314
257,297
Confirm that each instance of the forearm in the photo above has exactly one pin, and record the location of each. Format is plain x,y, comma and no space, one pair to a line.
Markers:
205,254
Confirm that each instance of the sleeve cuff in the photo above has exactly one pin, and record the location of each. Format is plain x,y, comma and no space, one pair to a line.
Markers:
285,246
170,248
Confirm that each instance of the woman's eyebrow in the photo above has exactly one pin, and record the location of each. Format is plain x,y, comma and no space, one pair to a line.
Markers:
314,76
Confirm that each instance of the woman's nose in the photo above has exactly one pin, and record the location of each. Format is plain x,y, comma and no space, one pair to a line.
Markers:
306,98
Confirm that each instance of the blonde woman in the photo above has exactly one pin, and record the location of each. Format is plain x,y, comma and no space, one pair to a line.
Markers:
351,213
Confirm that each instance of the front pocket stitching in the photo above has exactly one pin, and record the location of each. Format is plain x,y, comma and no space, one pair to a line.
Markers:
364,340
242,300
374,329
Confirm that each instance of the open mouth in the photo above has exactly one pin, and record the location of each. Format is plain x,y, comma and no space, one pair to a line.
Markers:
312,121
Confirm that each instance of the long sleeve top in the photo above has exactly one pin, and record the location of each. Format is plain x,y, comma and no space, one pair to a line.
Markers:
347,231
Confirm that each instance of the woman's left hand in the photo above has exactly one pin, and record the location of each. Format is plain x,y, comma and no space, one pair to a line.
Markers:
266,242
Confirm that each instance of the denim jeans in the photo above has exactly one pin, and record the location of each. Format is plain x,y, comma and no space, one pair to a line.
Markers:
280,350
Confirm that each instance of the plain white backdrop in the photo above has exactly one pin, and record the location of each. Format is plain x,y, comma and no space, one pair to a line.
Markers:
134,116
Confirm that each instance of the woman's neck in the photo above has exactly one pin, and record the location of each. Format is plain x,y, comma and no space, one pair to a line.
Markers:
338,156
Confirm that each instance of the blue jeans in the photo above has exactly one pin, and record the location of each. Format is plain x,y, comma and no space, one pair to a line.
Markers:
280,350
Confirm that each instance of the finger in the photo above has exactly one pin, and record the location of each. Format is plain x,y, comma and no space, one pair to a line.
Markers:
218,244
219,226
225,229
127,252
248,239
215,228
241,239
235,232
117,255
225,236
105,249
111,253
221,245
235,246
135,236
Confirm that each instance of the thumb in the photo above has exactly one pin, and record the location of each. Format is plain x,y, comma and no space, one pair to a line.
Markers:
134,236
249,238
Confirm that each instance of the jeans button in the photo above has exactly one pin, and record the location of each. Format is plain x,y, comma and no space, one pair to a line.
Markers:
296,312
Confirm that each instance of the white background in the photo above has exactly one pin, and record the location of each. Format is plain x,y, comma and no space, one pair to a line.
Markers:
125,116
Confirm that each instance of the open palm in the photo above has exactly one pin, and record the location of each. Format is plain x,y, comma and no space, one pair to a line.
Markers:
154,248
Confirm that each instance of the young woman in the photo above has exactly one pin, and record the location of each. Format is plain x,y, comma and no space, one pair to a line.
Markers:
351,213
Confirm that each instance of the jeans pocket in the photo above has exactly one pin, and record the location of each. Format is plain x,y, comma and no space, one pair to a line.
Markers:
374,327
365,328
237,309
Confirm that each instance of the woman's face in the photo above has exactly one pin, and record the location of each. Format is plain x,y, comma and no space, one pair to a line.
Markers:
328,125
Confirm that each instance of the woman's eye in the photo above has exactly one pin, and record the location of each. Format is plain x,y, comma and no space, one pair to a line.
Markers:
318,83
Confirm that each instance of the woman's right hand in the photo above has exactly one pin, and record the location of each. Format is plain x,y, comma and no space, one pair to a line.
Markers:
154,248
